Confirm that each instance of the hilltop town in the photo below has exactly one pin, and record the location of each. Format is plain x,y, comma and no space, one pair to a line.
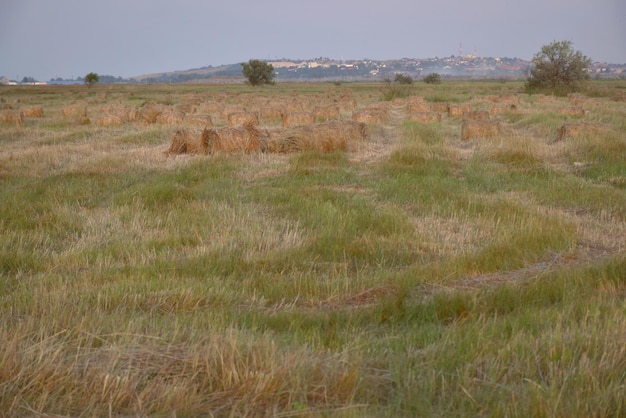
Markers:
327,69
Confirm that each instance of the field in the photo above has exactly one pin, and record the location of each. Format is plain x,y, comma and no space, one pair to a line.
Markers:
312,250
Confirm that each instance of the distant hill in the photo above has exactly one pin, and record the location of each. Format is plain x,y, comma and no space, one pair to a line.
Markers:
326,69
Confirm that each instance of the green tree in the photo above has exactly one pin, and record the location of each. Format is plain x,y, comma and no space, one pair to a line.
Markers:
403,79
91,78
558,68
258,72
432,78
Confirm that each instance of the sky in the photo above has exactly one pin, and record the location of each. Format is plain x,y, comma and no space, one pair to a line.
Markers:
46,39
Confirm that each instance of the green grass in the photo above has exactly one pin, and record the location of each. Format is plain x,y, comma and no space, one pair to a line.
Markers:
437,278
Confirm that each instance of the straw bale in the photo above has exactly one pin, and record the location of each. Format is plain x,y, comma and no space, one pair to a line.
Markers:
79,110
324,137
326,112
507,98
242,118
572,111
170,117
291,119
418,107
33,112
7,107
479,129
210,107
458,109
268,113
371,116
425,117
201,121
572,130
416,100
149,113
476,115
15,117
232,139
181,140
106,120
501,108
440,107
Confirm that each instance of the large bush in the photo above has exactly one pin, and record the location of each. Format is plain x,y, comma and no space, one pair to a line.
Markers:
558,68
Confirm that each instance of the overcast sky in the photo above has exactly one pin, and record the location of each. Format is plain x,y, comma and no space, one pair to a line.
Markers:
46,39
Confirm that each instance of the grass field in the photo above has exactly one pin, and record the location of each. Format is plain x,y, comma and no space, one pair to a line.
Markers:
412,274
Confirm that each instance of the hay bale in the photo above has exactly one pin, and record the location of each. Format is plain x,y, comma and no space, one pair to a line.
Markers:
418,107
106,120
33,112
458,109
149,113
501,108
440,107
180,142
324,137
476,115
326,112
201,121
291,119
170,117
371,116
76,110
572,130
242,119
479,129
271,112
14,117
232,139
572,111
425,117
505,98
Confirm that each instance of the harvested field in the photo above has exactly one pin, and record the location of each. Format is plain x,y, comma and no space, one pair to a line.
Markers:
333,269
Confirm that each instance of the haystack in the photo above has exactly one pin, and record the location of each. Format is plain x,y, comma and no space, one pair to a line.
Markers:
74,110
458,109
33,112
230,139
200,121
571,130
170,117
479,129
291,119
440,107
149,113
106,120
326,112
324,137
425,117
572,111
242,119
418,107
371,116
501,108
476,115
14,117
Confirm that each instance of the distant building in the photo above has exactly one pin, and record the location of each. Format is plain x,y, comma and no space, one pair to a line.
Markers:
4,81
